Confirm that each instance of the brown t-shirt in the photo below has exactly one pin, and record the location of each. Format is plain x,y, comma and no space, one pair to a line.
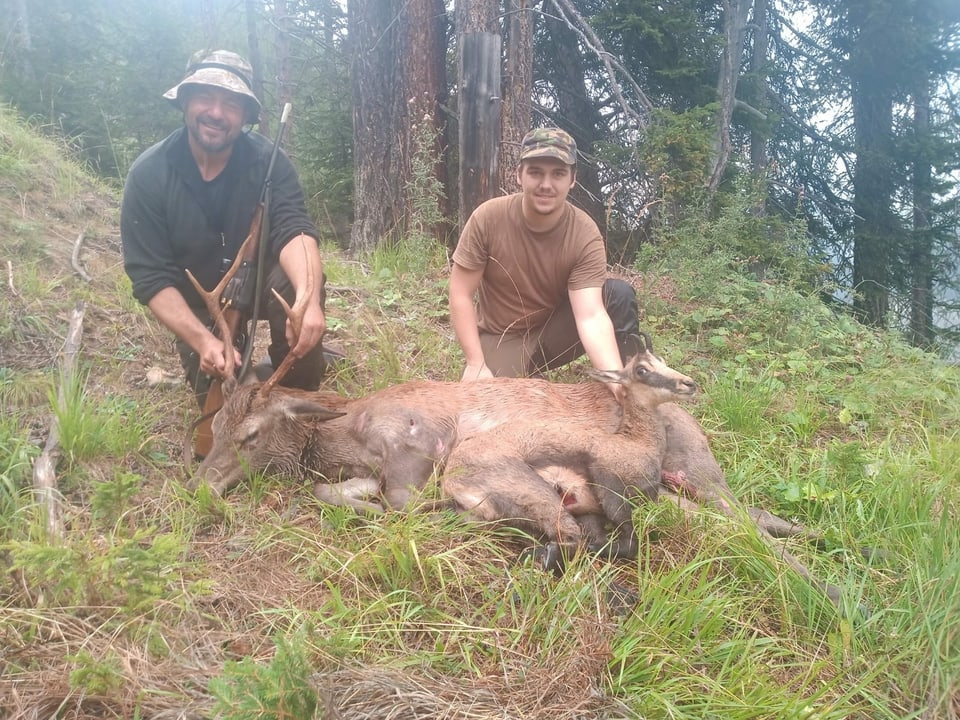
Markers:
527,274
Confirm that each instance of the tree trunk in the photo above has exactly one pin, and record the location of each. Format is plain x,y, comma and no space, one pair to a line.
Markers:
516,112
477,16
876,231
478,101
377,121
398,51
256,61
283,23
479,119
758,63
581,118
735,14
921,253
424,46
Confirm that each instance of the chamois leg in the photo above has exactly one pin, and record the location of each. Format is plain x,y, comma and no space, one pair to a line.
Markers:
613,497
508,491
617,499
722,498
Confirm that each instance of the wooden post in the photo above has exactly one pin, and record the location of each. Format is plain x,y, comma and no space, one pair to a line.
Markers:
479,119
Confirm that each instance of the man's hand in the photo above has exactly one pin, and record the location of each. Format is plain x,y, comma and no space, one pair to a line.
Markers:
474,372
313,327
213,360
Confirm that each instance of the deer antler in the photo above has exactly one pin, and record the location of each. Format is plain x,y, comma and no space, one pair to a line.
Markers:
295,314
212,299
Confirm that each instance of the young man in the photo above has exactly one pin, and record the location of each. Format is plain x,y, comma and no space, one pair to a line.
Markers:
538,267
188,203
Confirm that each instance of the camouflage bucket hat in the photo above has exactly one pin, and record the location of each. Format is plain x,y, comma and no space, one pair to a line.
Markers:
222,69
549,142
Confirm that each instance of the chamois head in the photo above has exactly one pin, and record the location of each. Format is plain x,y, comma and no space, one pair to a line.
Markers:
254,433
648,380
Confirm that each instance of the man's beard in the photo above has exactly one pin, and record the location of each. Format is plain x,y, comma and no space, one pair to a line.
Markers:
211,146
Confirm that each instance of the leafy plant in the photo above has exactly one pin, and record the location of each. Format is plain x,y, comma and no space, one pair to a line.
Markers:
279,689
93,676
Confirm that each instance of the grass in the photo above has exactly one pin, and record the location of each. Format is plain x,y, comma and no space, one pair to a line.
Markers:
266,604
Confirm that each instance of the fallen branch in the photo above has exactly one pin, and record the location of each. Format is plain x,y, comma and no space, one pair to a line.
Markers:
75,258
13,288
45,468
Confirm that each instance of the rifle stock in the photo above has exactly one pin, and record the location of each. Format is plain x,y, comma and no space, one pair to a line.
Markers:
203,437
250,252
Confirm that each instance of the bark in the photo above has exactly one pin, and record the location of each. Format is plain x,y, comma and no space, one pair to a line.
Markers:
479,119
377,120
397,50
424,45
477,16
735,14
478,100
516,113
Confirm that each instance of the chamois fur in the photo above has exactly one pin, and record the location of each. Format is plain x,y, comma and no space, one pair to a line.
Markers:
496,476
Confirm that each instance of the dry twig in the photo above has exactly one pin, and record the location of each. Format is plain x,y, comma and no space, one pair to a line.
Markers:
75,258
45,468
13,288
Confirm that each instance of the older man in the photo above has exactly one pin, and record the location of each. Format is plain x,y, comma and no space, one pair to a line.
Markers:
188,203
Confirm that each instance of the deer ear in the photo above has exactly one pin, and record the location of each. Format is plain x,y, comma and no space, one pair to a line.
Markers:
300,409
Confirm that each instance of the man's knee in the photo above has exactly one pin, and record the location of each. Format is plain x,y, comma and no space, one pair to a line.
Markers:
620,301
307,372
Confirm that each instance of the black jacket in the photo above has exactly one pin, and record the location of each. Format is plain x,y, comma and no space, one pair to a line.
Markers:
168,221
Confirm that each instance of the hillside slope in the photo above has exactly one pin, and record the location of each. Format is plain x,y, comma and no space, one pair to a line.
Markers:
158,603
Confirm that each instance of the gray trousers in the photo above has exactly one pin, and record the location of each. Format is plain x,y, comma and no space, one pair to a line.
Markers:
556,342
305,374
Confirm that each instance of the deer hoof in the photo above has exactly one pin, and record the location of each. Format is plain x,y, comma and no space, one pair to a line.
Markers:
549,557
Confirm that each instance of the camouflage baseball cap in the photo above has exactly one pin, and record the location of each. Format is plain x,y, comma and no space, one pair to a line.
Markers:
222,69
549,142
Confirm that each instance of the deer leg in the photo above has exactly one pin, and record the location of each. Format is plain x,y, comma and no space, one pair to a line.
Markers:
355,493
509,491
413,446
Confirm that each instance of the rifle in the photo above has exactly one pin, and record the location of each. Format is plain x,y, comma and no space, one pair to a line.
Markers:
234,294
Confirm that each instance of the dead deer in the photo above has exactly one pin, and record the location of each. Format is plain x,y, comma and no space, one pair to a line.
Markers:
377,450
496,476
507,475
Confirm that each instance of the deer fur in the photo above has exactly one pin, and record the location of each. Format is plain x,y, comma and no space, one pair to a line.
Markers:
633,462
496,475
379,450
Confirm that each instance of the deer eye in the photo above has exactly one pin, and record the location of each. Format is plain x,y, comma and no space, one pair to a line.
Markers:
250,437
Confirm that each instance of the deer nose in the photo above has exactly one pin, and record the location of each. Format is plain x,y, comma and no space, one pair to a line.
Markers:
689,385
